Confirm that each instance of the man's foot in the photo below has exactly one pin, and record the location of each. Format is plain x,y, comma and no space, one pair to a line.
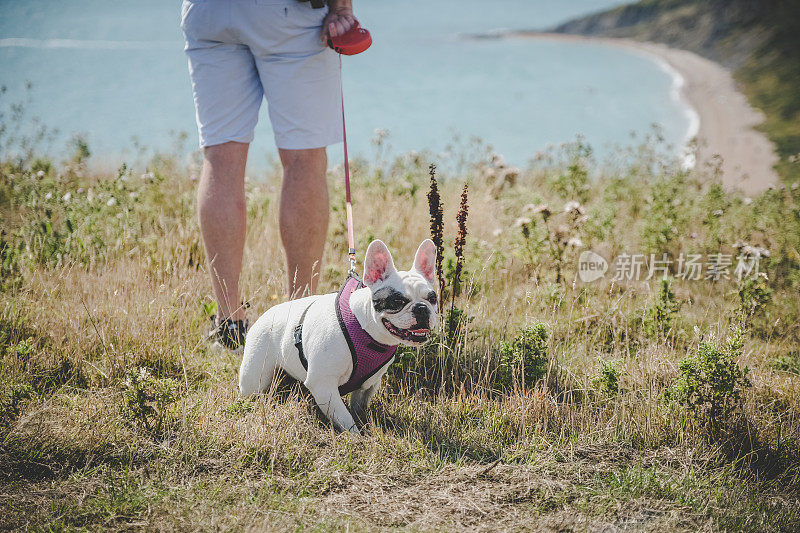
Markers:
229,334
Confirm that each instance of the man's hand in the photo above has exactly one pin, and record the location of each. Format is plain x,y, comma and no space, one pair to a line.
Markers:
339,19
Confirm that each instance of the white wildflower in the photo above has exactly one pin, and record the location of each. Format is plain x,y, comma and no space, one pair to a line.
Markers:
718,213
511,173
111,202
67,197
573,208
575,242
522,221
761,251
48,196
40,174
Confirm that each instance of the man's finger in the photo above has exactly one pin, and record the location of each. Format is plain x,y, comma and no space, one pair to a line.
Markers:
337,25
347,23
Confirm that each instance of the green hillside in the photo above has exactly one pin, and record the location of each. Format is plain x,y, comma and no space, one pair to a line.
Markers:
759,40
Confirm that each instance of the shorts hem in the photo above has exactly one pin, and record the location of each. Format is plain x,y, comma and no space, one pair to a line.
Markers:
213,141
301,145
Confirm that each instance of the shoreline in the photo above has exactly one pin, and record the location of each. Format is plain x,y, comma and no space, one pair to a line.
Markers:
720,117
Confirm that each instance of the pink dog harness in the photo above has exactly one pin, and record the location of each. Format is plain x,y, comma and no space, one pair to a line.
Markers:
369,355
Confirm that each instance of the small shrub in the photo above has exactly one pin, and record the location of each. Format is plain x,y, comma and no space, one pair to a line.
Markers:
80,149
607,383
23,349
239,407
146,399
10,261
559,234
710,384
660,316
754,296
524,360
12,395
664,213
573,181
789,362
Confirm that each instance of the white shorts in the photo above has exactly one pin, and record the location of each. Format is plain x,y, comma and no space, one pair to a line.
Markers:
242,50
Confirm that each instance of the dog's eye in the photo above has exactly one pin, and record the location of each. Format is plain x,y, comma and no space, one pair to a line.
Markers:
388,299
431,297
396,302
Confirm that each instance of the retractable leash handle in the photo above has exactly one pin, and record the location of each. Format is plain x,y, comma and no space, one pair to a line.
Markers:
353,42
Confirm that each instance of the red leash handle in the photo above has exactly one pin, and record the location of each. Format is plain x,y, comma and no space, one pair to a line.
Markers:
352,42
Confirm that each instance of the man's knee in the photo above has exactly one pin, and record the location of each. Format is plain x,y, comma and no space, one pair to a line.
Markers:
311,159
231,152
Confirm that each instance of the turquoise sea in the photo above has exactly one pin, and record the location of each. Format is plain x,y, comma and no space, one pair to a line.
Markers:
115,72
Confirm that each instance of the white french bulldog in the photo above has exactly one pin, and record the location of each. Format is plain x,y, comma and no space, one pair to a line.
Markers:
309,338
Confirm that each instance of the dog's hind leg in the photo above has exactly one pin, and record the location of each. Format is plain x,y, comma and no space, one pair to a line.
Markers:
359,401
257,371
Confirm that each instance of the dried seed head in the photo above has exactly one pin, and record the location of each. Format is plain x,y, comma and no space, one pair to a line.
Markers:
437,226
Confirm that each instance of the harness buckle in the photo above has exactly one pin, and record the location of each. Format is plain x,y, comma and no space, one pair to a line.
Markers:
352,254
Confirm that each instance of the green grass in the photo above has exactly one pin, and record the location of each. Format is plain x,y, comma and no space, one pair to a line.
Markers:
547,408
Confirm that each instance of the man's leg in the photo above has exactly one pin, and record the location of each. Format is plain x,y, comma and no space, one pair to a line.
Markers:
304,215
222,213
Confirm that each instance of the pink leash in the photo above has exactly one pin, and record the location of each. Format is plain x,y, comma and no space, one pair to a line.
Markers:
354,41
351,241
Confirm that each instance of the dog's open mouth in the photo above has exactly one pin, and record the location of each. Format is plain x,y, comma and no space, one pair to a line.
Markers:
411,335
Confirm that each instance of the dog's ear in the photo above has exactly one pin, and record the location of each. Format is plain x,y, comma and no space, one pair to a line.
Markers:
378,264
425,260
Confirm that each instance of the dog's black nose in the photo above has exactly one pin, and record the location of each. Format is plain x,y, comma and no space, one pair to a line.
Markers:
421,312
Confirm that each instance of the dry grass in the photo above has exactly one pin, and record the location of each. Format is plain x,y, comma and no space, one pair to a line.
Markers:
451,446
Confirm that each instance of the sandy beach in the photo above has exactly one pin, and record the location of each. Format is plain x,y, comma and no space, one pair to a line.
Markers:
727,122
